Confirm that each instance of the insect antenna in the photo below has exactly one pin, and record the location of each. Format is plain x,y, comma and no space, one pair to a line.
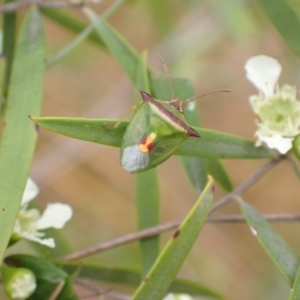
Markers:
168,75
206,94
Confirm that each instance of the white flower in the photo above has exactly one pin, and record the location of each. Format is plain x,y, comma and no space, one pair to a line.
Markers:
178,297
283,145
29,221
31,191
277,108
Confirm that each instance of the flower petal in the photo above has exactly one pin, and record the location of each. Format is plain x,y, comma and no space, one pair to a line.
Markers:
263,71
30,192
55,215
281,144
47,242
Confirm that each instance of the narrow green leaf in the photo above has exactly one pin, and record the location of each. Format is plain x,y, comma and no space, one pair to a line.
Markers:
3,90
112,275
9,36
117,275
70,47
142,78
147,199
159,279
218,172
295,291
196,171
285,20
212,144
42,268
19,134
92,130
71,23
67,292
44,290
195,167
87,33
147,192
117,45
160,12
277,249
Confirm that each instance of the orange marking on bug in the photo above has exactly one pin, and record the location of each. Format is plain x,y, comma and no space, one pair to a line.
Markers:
147,143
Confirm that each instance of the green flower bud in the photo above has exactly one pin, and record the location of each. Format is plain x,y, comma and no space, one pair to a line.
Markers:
296,146
19,283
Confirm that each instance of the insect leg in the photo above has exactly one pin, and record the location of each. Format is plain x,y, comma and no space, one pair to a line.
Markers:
119,122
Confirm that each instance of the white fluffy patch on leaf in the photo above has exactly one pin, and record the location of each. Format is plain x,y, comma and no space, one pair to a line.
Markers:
133,159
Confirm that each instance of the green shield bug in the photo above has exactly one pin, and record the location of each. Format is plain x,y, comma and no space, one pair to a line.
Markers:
155,131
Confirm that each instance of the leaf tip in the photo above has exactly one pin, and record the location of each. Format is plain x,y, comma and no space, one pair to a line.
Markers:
211,183
33,119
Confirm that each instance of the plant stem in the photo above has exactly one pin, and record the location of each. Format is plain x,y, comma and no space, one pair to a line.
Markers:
96,292
131,237
247,183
